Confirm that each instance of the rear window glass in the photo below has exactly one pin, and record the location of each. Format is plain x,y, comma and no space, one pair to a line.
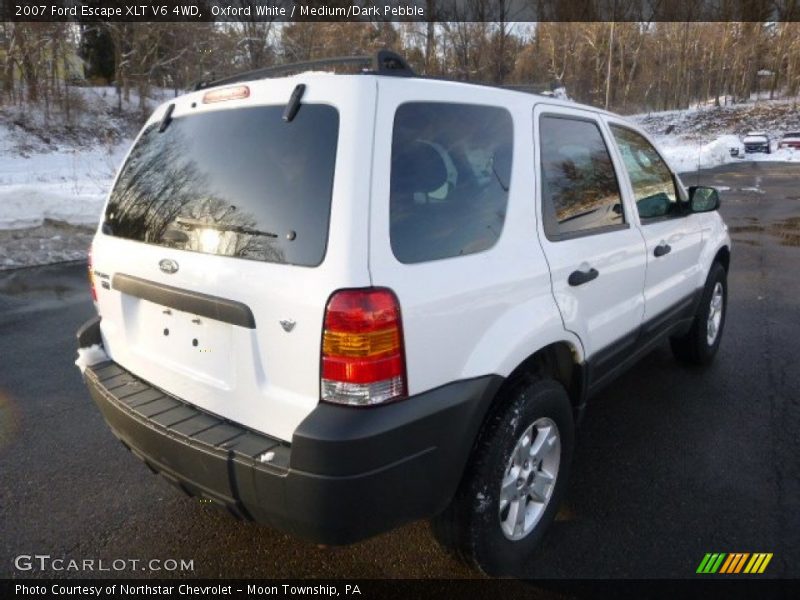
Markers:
451,171
238,183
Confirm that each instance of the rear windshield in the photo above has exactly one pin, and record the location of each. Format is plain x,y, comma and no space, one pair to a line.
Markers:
239,183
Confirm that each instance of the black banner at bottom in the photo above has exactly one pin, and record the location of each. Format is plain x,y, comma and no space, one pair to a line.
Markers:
487,589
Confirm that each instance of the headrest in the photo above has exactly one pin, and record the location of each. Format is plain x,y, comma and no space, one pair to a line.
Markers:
417,167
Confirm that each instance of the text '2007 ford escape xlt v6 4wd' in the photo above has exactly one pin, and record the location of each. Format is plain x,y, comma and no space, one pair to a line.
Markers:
339,303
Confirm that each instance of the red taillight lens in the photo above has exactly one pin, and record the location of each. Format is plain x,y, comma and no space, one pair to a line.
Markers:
363,362
91,276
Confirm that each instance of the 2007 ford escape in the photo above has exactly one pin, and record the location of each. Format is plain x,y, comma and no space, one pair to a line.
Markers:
338,303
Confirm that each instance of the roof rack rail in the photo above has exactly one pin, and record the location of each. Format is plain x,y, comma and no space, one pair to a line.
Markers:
385,62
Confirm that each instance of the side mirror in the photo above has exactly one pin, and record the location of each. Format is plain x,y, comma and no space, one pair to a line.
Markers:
703,199
652,207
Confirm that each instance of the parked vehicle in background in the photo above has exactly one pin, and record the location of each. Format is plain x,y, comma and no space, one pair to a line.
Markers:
790,139
339,303
756,141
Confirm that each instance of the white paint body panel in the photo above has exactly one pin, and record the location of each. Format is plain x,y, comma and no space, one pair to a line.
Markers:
463,317
265,378
673,276
611,306
477,314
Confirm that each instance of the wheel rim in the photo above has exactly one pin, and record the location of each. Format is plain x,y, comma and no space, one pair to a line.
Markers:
529,478
715,314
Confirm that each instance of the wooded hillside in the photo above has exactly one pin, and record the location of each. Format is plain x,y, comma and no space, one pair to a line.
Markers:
626,67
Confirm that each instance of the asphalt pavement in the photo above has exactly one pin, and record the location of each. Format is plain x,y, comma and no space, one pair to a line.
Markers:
671,462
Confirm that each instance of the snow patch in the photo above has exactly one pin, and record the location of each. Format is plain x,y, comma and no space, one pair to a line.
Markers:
686,156
68,185
91,355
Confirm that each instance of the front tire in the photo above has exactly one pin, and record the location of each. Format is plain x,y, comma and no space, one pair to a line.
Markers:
515,481
700,344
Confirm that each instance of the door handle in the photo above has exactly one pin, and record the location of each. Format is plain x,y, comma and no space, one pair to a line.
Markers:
580,277
662,249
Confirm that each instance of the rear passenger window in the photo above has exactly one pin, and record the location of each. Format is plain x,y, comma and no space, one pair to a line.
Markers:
651,179
580,192
451,171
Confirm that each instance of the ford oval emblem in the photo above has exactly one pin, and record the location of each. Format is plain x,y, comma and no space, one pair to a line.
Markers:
168,265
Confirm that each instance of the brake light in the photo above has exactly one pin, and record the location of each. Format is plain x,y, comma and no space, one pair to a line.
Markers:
363,361
230,93
91,277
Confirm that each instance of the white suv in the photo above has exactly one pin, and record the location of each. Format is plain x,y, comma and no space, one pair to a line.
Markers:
339,303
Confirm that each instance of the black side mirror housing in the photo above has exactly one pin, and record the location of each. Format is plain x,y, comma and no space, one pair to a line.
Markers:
703,199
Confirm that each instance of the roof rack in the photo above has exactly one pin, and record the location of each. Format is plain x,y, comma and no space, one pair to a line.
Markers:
385,62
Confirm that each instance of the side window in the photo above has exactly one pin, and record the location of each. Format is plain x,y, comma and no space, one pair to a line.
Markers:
451,171
580,192
652,181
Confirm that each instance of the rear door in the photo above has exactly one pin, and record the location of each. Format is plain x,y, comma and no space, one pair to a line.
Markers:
673,235
225,233
596,255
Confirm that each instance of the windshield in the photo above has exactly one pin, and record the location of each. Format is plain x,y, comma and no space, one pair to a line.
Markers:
240,183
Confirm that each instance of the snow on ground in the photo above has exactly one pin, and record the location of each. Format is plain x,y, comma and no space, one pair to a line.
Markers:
701,137
51,198
55,174
69,184
59,170
691,155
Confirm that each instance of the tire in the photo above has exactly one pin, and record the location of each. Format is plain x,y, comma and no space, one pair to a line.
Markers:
472,527
700,345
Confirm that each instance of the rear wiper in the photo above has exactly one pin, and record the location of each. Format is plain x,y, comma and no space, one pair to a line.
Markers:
234,228
247,231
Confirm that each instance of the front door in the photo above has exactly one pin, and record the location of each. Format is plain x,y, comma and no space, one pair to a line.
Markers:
596,254
673,237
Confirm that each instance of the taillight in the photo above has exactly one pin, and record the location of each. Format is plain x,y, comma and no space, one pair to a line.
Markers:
91,277
363,362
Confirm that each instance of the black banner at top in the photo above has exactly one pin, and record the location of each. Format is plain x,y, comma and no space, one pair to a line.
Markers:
645,11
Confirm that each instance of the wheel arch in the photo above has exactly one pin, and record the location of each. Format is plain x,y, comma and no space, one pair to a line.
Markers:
723,257
560,361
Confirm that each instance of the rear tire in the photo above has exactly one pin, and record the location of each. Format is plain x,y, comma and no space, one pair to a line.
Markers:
700,344
515,480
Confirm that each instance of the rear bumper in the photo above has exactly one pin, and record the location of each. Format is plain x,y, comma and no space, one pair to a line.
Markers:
348,473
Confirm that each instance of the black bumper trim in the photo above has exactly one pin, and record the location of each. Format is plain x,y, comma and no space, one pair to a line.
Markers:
348,474
178,419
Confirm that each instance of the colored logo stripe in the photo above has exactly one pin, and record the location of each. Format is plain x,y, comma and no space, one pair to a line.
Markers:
758,563
710,563
734,563
723,563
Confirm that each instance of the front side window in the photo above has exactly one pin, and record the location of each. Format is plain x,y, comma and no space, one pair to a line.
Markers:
451,172
580,193
652,182
239,183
